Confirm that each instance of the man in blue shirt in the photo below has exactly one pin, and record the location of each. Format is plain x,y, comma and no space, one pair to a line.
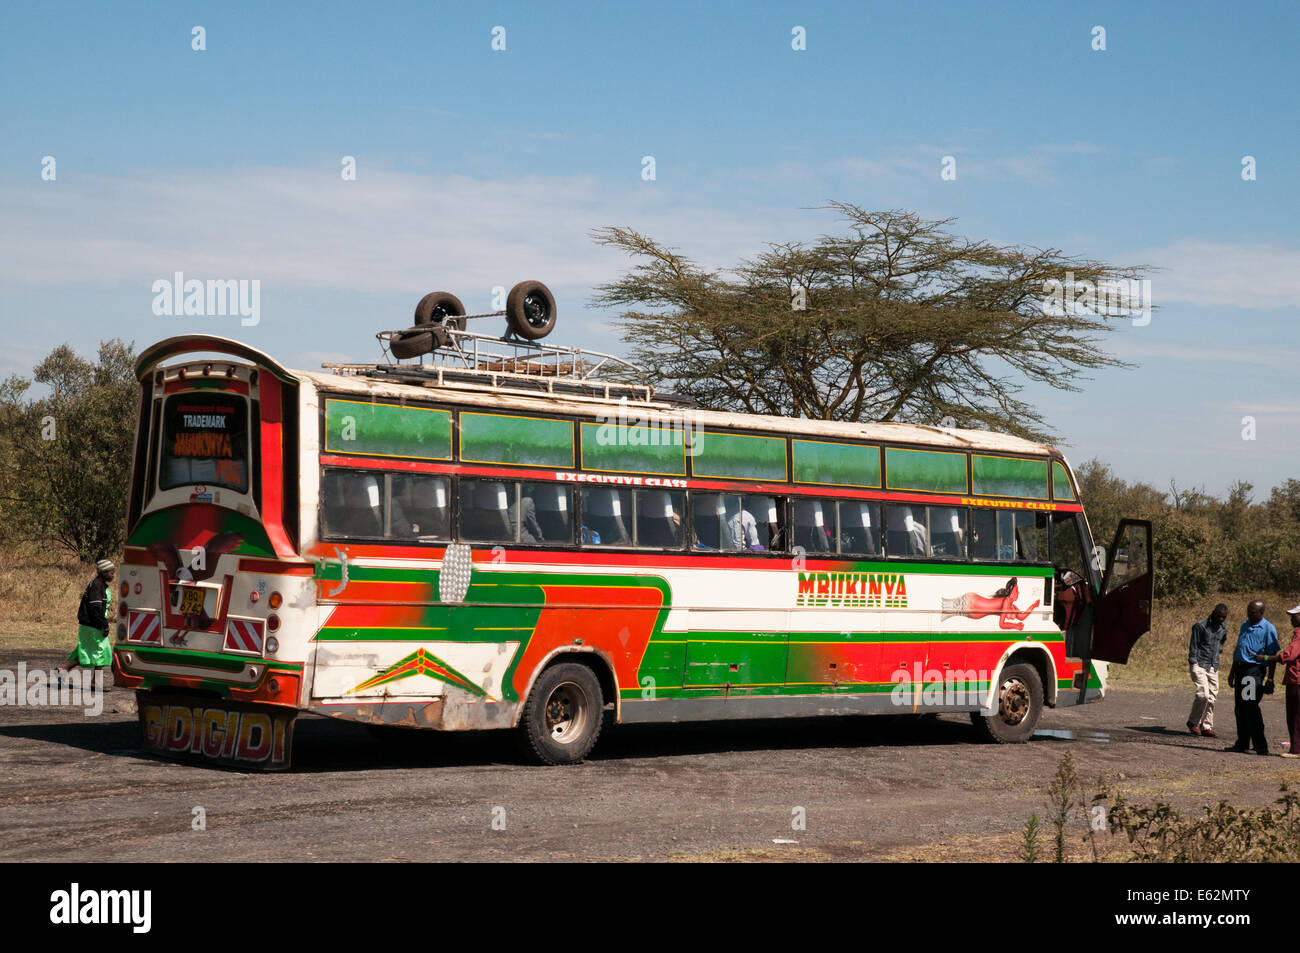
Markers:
1247,677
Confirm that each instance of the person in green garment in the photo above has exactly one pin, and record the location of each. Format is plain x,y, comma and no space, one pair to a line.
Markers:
93,650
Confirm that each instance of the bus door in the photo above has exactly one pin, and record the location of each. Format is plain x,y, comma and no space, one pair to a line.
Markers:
1123,613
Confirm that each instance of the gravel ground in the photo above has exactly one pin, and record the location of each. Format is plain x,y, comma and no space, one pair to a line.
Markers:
77,788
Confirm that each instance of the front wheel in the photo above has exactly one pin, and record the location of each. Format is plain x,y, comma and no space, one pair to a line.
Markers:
1020,705
562,716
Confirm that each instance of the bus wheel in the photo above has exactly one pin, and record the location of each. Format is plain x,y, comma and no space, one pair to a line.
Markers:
1020,704
437,305
562,717
530,310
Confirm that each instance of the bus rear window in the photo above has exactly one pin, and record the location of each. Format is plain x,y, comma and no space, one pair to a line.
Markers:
205,441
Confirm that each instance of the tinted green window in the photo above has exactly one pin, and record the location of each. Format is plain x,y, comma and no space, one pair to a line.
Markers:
928,470
387,430
525,441
841,464
1007,476
1061,488
615,448
737,457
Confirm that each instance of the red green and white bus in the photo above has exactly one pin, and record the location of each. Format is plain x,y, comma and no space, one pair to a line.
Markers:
410,546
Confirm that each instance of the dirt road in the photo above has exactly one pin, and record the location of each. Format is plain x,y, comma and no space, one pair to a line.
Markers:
76,788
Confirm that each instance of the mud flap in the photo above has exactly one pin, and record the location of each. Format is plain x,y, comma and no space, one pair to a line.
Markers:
216,731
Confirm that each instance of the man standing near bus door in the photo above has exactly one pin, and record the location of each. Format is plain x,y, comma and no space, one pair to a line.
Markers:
1257,637
1203,654
93,650
1291,659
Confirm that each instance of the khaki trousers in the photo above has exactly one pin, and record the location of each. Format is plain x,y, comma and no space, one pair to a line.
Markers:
1206,681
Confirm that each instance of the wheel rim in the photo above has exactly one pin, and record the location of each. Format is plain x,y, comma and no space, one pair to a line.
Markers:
567,712
536,310
1014,701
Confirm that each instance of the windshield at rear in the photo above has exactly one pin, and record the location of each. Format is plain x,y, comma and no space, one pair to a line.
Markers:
205,441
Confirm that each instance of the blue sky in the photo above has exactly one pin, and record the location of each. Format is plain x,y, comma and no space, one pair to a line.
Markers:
478,168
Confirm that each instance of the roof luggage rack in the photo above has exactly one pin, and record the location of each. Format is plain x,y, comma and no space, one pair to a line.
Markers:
519,361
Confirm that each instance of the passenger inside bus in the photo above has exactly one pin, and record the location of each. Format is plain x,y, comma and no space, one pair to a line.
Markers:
485,511
525,517
810,529
353,505
553,514
659,519
420,507
857,525
906,535
947,531
602,516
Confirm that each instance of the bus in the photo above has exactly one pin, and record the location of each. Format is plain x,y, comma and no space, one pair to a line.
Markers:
489,547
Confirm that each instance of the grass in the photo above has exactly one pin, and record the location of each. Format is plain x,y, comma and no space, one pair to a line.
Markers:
40,590
1159,660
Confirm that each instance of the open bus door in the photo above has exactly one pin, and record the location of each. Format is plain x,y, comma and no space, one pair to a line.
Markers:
1123,613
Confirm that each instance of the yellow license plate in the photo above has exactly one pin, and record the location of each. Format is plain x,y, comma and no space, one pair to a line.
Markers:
191,601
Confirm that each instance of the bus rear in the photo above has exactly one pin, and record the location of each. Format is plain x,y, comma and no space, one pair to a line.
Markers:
213,590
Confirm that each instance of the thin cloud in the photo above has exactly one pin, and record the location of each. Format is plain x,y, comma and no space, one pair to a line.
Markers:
1225,274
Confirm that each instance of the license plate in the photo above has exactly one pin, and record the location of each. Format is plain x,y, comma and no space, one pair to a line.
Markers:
191,601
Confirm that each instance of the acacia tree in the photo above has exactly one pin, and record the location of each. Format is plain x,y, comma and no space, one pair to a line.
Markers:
901,320
65,458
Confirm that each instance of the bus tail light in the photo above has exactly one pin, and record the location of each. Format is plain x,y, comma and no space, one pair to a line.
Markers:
273,622
272,645
124,589
275,600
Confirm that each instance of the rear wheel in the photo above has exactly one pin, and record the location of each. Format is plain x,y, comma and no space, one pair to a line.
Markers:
1020,705
562,716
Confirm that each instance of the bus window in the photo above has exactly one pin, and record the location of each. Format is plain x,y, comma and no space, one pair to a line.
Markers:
420,507
947,531
1031,536
659,518
708,520
859,527
606,515
552,509
993,535
812,529
353,504
1068,554
205,440
756,524
906,532
486,511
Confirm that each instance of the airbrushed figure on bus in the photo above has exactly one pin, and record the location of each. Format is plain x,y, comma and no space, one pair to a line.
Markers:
486,532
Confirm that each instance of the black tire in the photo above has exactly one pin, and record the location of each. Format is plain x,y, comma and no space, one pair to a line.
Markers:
411,343
530,310
1020,705
441,307
562,717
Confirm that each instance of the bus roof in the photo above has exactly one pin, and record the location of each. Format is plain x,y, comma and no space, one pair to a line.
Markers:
657,411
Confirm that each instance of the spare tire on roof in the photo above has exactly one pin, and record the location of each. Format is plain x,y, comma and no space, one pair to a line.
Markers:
440,307
530,310
411,343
